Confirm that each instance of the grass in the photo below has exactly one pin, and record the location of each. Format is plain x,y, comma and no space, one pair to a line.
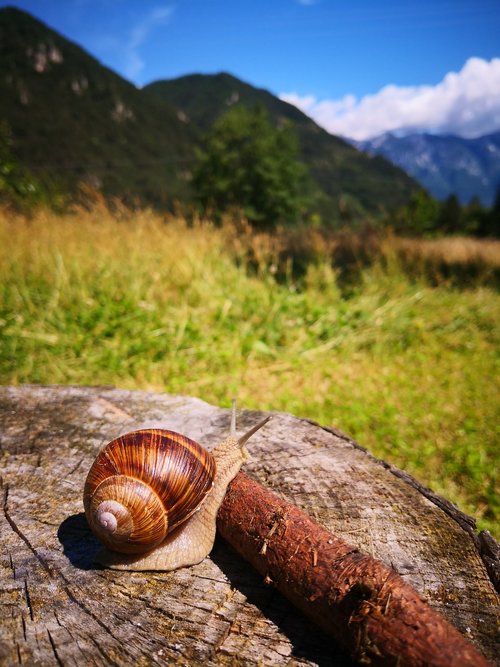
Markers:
373,337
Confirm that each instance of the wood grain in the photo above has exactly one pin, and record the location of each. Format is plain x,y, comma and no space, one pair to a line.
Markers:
58,608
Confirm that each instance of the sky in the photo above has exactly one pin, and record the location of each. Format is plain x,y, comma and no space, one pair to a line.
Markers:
358,67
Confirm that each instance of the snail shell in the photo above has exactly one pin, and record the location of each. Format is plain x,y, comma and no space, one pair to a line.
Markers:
152,496
143,485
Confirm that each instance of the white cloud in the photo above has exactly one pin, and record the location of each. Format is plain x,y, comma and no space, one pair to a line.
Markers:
466,103
156,17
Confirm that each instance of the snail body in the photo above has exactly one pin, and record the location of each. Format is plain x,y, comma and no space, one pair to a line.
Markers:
152,496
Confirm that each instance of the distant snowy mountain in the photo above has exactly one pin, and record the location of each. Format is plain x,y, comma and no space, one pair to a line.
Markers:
444,165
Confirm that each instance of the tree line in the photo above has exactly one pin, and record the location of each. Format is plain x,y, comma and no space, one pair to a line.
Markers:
249,165
426,216
252,169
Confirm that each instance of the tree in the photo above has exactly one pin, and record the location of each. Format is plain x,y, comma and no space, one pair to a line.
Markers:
251,166
475,218
492,226
418,218
450,216
17,185
422,213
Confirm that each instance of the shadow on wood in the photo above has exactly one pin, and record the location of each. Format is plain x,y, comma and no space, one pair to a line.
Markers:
78,542
58,609
308,641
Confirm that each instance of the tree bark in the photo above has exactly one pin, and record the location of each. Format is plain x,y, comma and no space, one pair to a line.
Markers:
371,612
58,608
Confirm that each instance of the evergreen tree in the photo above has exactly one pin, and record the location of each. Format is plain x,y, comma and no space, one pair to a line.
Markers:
492,226
423,213
450,216
251,166
475,218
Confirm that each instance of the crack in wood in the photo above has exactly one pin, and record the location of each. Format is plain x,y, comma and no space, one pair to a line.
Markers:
51,571
24,626
217,647
101,651
18,531
75,467
45,523
56,654
89,613
28,599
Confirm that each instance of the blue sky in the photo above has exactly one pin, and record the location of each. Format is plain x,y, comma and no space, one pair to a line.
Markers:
359,67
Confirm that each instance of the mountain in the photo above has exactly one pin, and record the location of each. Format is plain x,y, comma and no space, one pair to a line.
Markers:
342,174
445,165
73,120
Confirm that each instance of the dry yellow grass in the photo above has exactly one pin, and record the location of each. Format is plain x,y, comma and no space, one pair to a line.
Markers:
452,250
405,364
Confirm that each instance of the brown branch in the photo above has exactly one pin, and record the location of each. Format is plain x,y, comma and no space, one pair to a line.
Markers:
370,611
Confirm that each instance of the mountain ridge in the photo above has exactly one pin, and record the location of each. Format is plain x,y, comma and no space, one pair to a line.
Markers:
74,120
202,98
68,111
444,164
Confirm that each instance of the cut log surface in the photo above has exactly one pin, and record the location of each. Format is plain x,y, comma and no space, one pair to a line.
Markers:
58,608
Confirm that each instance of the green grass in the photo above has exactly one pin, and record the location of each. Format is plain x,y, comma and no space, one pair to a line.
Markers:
407,366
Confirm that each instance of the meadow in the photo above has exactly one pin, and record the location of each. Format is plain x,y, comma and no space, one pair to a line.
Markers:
393,341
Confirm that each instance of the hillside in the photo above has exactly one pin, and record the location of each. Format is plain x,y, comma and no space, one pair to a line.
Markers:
445,165
364,182
73,120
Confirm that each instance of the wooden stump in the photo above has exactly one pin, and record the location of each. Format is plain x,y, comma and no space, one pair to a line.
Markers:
59,609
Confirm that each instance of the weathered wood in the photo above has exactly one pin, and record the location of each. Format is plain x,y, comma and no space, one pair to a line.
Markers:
57,608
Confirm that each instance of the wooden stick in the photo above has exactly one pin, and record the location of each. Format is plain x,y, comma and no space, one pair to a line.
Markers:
370,610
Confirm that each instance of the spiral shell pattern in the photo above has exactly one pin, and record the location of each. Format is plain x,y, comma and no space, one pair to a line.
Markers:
143,485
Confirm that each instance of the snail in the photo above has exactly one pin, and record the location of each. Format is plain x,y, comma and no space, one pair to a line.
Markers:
151,496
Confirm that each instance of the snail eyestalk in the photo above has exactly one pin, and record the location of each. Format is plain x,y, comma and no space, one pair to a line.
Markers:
246,436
